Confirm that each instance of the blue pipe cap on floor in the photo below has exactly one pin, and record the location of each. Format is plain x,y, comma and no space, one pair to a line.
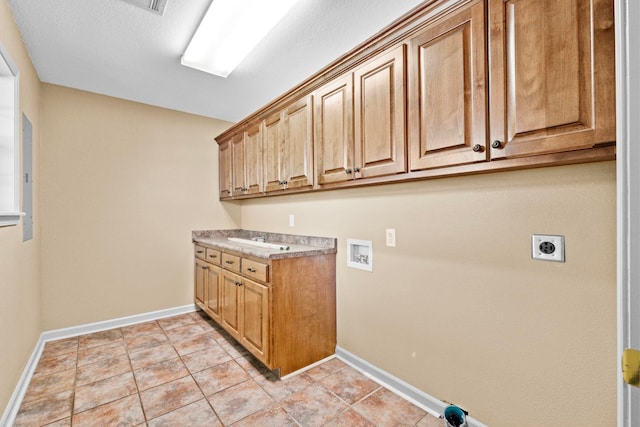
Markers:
455,416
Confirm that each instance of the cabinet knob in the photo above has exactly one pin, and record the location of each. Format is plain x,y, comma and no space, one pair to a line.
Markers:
238,283
347,171
356,170
496,144
284,182
478,148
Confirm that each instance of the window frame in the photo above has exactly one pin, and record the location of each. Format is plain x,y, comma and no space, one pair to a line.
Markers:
13,215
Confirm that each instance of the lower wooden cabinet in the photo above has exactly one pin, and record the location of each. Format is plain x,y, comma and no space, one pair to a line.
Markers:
283,311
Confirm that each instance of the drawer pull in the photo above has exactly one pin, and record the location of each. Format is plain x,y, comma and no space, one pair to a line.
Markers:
251,270
204,268
213,256
229,262
238,283
199,252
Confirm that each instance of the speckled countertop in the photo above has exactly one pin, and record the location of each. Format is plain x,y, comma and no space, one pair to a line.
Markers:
298,245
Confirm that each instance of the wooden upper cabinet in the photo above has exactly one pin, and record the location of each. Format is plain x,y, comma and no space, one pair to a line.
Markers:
447,91
379,115
298,144
225,167
238,177
253,159
334,130
274,153
552,75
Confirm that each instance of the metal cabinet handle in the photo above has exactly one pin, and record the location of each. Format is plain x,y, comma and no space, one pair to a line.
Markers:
238,283
478,148
347,171
251,270
199,252
204,268
356,170
213,256
229,262
496,144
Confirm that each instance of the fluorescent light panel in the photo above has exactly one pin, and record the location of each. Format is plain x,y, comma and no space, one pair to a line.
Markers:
229,31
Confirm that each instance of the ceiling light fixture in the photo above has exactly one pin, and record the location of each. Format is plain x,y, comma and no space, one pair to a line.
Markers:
229,31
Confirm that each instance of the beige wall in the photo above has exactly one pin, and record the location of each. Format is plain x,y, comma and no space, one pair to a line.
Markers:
123,186
458,308
19,262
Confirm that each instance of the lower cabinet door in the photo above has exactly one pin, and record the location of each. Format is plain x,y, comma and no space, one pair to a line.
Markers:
255,319
212,305
230,303
200,275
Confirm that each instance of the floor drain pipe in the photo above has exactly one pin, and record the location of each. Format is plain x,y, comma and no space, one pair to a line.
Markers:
454,417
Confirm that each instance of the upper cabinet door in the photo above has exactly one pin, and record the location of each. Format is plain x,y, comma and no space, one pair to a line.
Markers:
224,160
273,153
379,115
334,130
298,144
447,91
253,159
552,75
238,165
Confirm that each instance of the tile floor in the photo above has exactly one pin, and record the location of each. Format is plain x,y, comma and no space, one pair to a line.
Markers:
186,371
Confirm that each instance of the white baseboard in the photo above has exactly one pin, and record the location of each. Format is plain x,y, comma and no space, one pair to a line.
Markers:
11,411
419,398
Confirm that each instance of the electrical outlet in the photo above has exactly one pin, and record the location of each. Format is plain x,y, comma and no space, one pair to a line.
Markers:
292,220
547,248
391,237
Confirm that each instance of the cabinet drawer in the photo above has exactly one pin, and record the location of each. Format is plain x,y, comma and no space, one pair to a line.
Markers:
231,262
255,270
213,256
201,252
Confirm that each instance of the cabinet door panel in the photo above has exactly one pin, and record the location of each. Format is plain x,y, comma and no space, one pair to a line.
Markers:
224,162
238,165
229,309
213,292
273,153
447,91
379,103
552,75
334,130
200,277
299,144
255,326
253,159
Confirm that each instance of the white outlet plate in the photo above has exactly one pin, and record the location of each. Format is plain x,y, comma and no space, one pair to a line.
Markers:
391,237
547,247
292,220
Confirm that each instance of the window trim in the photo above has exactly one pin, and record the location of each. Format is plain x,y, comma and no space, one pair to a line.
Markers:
12,217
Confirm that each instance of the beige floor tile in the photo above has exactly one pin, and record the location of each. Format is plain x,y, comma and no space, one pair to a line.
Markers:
160,373
237,402
56,348
350,419
124,412
220,377
62,423
176,321
184,332
252,365
140,329
199,342
57,363
327,368
45,411
349,385
430,421
167,397
96,354
197,414
100,338
207,358
281,389
384,408
102,369
145,341
314,406
151,356
104,391
268,417
43,386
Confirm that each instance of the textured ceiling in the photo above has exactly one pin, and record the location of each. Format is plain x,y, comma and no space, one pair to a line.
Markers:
114,48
